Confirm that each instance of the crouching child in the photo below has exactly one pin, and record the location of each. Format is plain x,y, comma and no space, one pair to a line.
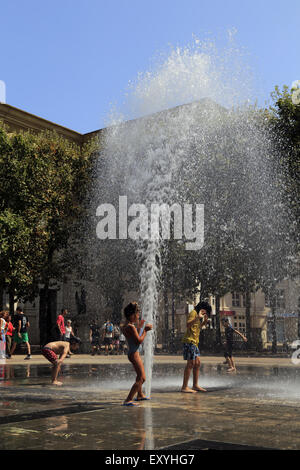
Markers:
56,351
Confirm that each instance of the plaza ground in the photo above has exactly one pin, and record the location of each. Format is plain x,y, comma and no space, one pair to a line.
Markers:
259,406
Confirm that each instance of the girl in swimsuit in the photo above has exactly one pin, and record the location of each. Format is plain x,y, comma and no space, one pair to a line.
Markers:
134,338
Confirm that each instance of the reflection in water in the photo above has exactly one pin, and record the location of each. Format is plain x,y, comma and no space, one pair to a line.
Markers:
149,440
7,372
144,428
268,382
57,424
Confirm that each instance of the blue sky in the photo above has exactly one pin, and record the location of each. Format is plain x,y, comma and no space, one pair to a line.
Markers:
68,60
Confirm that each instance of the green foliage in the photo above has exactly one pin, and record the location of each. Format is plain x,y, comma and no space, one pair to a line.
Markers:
43,180
284,118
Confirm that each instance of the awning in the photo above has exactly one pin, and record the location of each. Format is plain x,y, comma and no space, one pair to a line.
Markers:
227,313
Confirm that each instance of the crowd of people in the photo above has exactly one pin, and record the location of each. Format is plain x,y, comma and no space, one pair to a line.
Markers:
108,335
13,332
131,333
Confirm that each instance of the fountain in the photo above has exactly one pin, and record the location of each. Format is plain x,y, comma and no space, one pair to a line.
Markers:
198,141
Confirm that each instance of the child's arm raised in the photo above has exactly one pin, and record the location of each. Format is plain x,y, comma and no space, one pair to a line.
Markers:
132,331
195,320
241,335
140,326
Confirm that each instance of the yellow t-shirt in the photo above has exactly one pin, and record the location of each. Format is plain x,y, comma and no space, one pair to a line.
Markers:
192,333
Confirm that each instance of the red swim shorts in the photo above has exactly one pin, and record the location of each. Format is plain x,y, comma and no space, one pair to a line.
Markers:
50,355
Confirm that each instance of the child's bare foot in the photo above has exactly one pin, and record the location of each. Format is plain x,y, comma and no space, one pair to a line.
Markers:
199,389
188,390
56,382
232,369
141,397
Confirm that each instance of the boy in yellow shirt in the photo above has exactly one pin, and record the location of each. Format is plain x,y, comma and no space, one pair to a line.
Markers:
197,319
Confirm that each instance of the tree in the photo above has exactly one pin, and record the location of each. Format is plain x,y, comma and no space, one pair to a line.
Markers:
284,120
43,183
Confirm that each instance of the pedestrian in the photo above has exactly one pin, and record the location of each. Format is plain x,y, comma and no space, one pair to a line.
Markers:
69,330
117,333
95,335
134,338
68,334
9,335
60,325
62,348
229,332
21,325
122,342
3,330
197,319
108,335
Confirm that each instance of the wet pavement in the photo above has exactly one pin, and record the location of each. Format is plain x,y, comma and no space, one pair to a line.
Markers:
258,406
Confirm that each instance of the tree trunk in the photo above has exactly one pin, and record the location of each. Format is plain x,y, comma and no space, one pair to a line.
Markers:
43,314
218,329
248,319
273,323
11,294
1,295
173,311
166,319
47,315
299,318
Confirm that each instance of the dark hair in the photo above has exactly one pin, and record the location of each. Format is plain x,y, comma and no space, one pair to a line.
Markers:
18,309
63,310
131,309
75,340
203,306
225,320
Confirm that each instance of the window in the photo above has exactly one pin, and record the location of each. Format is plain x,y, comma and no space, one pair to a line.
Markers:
236,299
279,299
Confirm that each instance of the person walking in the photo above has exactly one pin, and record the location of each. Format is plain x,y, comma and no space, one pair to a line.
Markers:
9,335
3,329
108,335
21,335
95,335
69,333
117,333
69,330
229,332
60,325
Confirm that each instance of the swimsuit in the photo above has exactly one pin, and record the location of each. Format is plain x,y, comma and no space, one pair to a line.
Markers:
49,354
132,346
190,351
